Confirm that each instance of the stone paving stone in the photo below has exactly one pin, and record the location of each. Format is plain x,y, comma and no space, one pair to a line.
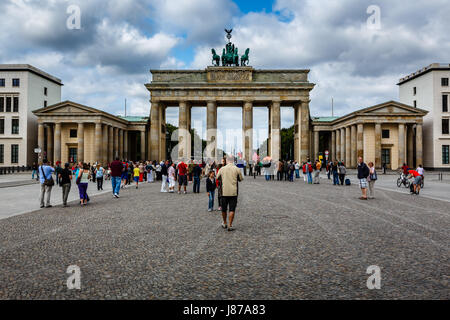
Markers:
292,241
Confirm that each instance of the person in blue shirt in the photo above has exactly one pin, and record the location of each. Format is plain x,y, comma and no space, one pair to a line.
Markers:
45,172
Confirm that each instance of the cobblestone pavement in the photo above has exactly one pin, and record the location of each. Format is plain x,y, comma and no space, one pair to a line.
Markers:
292,241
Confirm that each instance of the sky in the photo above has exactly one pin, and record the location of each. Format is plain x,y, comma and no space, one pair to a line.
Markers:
353,59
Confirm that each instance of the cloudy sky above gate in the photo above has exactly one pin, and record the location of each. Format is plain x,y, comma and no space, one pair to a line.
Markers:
109,58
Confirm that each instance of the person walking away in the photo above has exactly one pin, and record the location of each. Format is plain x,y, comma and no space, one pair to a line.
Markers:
116,173
211,189
291,170
46,181
172,180
280,170
124,175
363,173
286,170
83,181
297,170
335,170
58,170
371,179
141,171
328,170
65,182
342,172
136,174
196,173
231,176
99,172
164,174
182,176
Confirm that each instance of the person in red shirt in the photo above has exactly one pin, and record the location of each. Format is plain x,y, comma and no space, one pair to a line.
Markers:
182,178
405,169
417,180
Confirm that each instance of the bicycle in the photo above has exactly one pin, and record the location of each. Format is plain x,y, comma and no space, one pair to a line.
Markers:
402,180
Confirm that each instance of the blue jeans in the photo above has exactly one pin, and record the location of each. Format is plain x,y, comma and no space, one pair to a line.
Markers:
33,173
335,178
267,177
115,183
211,200
297,173
309,177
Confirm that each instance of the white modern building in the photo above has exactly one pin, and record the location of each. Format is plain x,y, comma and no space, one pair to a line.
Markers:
23,88
429,89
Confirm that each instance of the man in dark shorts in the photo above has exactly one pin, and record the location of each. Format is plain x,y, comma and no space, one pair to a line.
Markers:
230,175
182,176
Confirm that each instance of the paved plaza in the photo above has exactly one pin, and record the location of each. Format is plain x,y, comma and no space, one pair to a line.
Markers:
292,241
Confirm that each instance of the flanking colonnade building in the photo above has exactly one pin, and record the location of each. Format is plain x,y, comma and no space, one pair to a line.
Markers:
389,133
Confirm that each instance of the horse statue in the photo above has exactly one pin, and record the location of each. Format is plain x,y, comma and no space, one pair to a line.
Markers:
245,58
230,57
215,58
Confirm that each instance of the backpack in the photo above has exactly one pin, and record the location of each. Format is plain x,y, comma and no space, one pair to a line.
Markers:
347,182
310,168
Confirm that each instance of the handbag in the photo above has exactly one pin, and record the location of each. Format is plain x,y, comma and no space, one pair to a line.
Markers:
47,182
373,176
79,178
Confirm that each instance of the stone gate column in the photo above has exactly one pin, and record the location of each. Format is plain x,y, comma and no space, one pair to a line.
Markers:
297,121
98,142
57,155
316,146
121,144
353,156
116,142
50,143
378,163
342,145
162,132
211,129
333,146
304,131
401,144
80,134
41,136
247,130
110,143
184,136
360,140
275,130
154,131
338,145
410,146
105,145
143,146
125,144
348,156
419,145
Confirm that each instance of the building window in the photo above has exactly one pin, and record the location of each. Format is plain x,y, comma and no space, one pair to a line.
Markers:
445,127
2,126
16,82
2,153
415,103
45,91
444,103
444,82
8,104
385,134
15,126
16,104
445,154
14,153
45,103
2,82
415,90
2,104
386,156
73,133
73,155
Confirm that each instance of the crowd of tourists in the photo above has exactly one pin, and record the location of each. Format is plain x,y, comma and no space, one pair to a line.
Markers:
221,179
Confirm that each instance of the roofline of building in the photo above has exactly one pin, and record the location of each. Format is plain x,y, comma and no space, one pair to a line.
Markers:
30,68
421,72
